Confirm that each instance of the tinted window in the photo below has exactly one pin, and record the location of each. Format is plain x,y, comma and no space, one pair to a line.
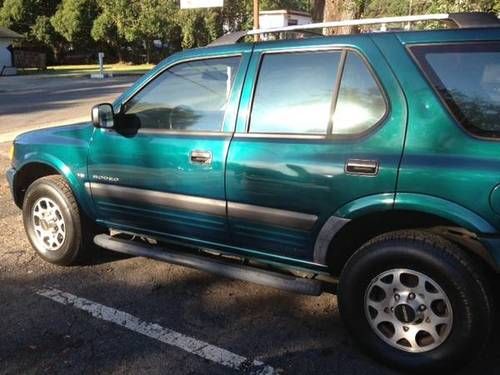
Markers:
294,92
360,104
467,77
188,96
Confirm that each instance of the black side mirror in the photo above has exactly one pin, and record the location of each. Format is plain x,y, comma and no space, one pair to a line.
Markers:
103,116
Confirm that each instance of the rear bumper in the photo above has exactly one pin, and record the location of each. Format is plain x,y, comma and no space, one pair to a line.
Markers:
492,244
10,174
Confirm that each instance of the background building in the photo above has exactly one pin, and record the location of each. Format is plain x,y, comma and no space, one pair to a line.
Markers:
280,18
7,37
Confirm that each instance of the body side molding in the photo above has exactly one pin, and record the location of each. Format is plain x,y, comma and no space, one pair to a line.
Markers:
177,201
273,216
217,207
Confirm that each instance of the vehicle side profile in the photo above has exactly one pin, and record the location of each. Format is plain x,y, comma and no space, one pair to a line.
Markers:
366,165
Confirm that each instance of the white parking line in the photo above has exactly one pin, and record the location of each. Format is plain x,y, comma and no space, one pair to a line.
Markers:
155,331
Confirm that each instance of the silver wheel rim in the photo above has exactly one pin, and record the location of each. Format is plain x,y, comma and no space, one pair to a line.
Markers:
408,310
48,225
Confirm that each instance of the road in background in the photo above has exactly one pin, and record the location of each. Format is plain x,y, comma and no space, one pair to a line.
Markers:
30,102
97,329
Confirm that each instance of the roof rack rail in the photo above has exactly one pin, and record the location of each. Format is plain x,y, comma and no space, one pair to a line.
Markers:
461,20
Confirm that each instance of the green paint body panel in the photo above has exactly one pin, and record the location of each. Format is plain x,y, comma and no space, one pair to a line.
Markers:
441,159
65,149
428,163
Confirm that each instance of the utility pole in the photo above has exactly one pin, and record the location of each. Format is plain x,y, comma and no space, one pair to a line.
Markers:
256,12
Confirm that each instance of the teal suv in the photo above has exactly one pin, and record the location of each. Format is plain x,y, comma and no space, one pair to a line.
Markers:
366,165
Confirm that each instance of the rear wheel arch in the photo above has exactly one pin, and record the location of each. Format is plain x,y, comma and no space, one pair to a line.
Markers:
355,233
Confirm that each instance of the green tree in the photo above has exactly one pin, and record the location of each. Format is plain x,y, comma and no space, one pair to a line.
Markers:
31,19
21,15
109,25
43,32
14,14
376,8
127,28
73,20
104,30
135,24
199,26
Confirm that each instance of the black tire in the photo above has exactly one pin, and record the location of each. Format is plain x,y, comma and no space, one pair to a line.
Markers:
79,231
461,277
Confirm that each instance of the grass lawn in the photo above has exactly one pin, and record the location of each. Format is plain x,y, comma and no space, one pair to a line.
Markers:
88,69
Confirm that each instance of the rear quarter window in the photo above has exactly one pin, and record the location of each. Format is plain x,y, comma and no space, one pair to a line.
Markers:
467,78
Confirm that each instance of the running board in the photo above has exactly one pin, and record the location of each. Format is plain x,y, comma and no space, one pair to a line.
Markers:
246,273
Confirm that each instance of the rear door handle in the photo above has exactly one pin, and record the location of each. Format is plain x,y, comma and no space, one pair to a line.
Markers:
200,157
362,167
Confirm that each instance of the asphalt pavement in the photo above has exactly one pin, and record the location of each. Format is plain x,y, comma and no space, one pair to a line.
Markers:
28,102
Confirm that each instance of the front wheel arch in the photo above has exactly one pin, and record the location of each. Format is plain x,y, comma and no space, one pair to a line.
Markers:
33,170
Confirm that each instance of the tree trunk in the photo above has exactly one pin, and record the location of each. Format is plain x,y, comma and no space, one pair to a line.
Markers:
318,8
338,10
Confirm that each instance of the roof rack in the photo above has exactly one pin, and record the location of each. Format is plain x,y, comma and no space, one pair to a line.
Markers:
461,20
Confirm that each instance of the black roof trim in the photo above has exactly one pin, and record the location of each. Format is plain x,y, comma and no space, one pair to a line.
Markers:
229,38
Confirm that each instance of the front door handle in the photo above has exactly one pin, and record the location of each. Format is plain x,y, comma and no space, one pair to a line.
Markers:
361,167
200,157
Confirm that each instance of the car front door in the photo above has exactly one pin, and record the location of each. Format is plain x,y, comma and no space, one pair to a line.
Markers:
322,123
161,169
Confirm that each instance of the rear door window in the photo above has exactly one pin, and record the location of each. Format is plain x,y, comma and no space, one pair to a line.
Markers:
294,92
467,78
300,93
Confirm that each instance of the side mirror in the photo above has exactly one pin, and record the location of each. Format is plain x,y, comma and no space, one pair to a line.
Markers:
103,116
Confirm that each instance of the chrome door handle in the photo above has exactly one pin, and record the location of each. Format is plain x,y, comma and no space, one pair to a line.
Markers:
362,167
200,157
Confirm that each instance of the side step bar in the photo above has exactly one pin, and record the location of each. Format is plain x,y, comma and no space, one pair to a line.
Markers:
246,273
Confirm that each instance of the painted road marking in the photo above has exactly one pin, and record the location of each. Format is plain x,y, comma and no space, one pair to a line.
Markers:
157,332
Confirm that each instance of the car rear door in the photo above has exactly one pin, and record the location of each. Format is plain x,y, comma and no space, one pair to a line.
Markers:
321,124
161,171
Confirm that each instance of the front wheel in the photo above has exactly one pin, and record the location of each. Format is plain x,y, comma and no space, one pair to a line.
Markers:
56,228
416,301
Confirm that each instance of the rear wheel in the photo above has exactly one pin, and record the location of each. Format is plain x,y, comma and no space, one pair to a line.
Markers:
416,301
56,228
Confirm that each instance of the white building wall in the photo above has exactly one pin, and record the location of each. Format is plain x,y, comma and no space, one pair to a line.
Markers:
5,56
267,21
280,18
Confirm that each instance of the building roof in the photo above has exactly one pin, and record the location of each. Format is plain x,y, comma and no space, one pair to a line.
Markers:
284,11
9,34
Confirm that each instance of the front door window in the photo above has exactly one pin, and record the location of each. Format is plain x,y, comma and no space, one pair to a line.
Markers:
190,96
